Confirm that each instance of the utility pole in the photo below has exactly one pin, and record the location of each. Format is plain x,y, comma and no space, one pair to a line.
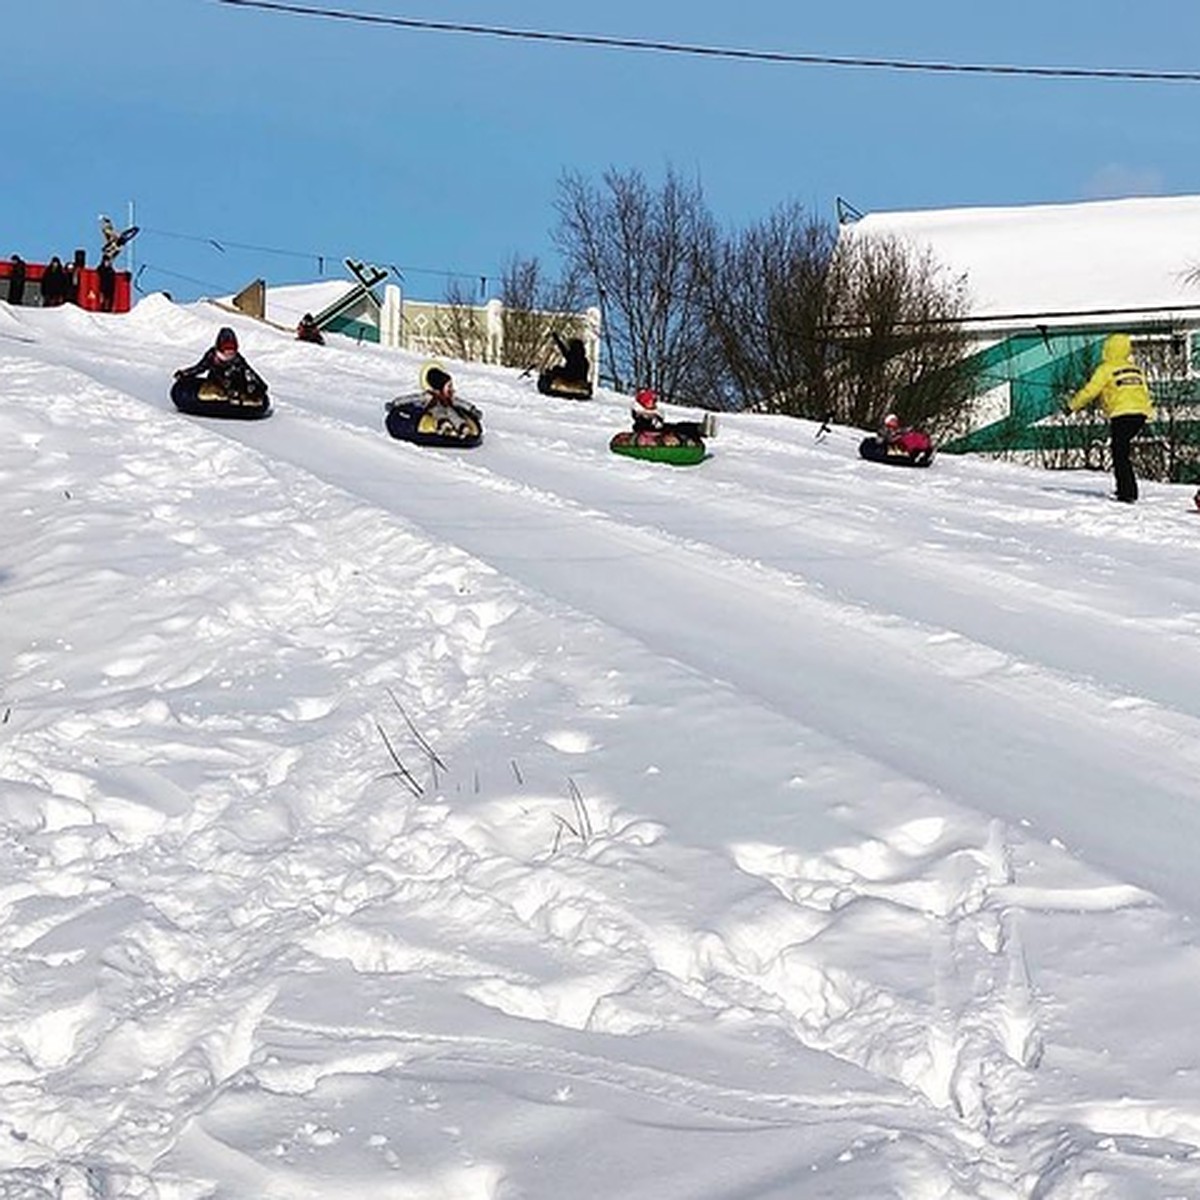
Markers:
132,222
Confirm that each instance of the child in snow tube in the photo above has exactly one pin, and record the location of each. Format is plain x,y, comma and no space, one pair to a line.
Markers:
224,366
572,377
436,417
895,443
222,383
650,428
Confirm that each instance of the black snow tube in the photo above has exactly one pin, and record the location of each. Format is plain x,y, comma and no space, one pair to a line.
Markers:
875,451
200,398
551,384
411,421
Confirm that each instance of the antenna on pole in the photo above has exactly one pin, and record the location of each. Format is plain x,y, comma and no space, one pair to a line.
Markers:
847,214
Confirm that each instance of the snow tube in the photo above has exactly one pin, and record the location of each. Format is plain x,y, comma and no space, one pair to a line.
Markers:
916,450
411,421
659,447
202,398
550,384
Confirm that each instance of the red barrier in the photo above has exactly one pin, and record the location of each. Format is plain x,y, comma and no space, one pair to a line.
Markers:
90,296
88,291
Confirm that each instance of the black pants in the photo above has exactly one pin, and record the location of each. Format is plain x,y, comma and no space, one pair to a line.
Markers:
108,287
1122,431
683,429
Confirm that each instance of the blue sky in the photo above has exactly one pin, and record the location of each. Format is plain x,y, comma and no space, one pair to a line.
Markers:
437,152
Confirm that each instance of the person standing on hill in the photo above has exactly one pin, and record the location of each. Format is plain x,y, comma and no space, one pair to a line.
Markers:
1120,386
16,280
106,275
55,283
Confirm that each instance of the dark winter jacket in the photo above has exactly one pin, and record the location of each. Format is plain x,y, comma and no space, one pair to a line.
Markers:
16,280
56,283
310,331
233,375
576,367
646,420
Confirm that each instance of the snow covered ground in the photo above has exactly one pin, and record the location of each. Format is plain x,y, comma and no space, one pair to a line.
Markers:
529,822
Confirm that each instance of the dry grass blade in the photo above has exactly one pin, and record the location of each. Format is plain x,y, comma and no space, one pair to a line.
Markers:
401,771
421,741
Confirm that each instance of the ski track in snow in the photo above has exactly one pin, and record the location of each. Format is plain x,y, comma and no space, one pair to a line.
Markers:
185,852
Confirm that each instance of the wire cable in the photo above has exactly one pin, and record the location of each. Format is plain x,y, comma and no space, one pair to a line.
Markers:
1030,321
207,284
1124,74
321,258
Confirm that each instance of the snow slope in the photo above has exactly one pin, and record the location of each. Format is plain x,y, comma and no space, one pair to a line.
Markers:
531,822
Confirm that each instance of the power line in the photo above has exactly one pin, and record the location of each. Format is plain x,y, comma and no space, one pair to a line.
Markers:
204,283
322,258
1031,321
1124,74
220,243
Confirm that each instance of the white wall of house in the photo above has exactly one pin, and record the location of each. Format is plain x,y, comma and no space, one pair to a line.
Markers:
416,326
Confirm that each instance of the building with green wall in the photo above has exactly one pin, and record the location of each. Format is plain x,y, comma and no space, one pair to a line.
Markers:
1044,285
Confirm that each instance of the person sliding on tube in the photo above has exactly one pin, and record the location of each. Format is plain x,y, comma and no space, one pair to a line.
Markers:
648,420
440,400
224,366
438,387
309,331
573,375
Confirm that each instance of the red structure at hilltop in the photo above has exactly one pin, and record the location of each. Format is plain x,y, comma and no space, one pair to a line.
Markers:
84,290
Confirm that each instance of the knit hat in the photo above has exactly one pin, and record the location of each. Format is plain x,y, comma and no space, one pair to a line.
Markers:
227,339
646,399
436,379
891,421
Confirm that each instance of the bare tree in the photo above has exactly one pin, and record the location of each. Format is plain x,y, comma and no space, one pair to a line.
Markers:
637,249
786,317
534,310
459,329
898,336
813,325
768,309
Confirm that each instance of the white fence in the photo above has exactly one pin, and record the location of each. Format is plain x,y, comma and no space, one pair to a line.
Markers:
423,327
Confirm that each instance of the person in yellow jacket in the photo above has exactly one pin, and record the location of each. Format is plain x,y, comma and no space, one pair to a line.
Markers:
1120,386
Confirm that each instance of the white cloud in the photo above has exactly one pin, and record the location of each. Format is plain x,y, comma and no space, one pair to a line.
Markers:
1114,180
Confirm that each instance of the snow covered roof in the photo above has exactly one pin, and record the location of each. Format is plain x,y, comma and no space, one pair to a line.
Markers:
287,303
1046,259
